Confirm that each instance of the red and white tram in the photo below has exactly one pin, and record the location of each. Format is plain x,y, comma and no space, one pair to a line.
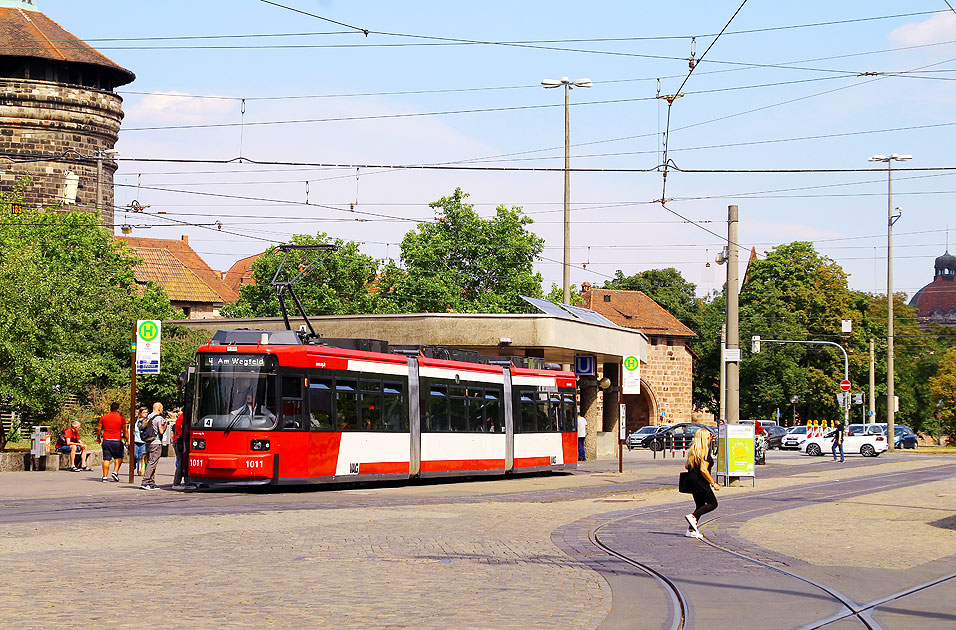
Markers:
270,409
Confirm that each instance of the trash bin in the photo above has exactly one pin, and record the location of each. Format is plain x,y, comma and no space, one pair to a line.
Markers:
40,446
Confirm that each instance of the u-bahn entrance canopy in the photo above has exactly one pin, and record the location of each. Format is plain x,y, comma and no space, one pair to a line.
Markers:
555,339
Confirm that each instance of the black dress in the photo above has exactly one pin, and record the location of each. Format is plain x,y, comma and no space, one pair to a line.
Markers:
703,494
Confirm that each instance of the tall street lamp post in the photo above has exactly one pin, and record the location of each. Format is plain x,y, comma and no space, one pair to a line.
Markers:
568,86
890,220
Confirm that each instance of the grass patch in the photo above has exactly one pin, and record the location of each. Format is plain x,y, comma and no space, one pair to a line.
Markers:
932,450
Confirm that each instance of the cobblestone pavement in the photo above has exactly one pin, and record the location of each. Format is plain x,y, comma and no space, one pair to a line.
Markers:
511,553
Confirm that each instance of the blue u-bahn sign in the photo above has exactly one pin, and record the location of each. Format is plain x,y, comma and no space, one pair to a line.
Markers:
585,365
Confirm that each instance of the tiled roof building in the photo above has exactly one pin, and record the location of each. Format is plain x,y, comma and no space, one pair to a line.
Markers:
57,109
667,381
192,285
937,300
240,273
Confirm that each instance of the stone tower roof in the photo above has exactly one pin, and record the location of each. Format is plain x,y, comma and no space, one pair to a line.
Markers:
30,34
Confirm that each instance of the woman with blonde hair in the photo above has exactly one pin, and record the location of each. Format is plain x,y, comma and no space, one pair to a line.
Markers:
702,485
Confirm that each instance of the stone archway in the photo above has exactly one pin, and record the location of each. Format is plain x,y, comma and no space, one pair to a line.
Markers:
642,409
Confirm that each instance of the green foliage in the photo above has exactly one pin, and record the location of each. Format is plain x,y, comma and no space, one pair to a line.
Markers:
556,295
667,287
68,302
340,284
943,390
463,263
179,352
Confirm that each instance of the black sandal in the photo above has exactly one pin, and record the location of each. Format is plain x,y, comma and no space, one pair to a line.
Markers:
75,469
85,469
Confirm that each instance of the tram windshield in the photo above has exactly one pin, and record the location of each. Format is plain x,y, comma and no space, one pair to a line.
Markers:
236,391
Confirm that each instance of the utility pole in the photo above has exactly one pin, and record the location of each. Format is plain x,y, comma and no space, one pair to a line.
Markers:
99,184
890,220
723,374
566,277
872,383
733,313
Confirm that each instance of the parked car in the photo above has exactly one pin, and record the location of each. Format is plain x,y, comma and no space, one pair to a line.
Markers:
677,436
794,436
635,439
775,436
904,436
867,445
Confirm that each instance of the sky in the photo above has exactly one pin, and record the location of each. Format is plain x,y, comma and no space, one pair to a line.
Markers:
787,86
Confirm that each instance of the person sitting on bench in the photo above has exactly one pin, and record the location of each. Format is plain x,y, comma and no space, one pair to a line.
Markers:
73,445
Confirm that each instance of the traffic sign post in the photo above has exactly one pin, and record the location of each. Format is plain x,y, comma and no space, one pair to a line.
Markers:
621,436
845,385
631,374
148,339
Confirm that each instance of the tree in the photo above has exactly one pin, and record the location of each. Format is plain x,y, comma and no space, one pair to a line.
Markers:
556,295
943,389
463,263
667,287
795,293
68,301
342,282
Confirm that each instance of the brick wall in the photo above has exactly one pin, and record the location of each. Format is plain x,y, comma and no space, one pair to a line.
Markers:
669,373
43,118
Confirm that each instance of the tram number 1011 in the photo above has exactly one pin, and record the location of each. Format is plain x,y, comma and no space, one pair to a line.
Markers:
254,463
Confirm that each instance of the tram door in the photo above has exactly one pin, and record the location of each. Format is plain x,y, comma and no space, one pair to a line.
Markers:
293,424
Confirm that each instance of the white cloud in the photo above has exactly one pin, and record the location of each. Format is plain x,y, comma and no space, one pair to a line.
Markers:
940,27
178,107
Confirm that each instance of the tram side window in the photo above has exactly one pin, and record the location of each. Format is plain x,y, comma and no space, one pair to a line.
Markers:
346,405
437,409
394,410
527,420
458,409
320,404
555,414
372,405
569,423
293,414
476,410
493,411
541,411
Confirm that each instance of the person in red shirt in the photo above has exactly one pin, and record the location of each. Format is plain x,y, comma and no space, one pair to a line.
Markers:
111,433
73,445
178,447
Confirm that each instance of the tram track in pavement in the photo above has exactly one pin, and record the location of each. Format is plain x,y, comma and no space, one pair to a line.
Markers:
680,603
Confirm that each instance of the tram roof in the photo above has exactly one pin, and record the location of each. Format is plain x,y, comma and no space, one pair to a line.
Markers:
558,339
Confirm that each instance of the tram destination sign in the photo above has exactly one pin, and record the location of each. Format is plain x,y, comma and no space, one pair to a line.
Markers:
234,360
148,338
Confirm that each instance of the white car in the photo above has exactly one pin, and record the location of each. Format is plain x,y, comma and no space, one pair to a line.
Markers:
793,438
865,445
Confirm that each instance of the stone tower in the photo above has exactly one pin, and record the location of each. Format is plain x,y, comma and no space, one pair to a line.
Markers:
58,112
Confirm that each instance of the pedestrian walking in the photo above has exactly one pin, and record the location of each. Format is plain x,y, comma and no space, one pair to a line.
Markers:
838,435
701,484
150,432
582,431
111,433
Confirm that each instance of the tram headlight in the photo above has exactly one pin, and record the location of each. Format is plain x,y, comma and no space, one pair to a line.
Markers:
259,445
198,444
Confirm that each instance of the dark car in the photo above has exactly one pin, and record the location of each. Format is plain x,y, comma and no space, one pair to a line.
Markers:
634,440
678,436
905,438
774,435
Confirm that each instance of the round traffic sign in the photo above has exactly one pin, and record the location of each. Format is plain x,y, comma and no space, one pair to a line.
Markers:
845,385
631,363
148,330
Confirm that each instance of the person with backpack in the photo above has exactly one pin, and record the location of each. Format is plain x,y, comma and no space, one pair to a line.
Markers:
150,429
68,441
139,447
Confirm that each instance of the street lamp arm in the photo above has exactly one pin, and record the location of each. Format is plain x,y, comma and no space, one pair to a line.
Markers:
846,358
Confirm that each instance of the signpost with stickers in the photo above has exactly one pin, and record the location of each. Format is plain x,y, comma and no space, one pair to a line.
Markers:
144,359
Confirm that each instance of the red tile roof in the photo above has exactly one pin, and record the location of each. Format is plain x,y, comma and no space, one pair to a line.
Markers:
634,309
937,301
241,273
32,34
179,269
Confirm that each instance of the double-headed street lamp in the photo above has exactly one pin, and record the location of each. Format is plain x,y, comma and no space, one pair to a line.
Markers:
568,86
890,220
